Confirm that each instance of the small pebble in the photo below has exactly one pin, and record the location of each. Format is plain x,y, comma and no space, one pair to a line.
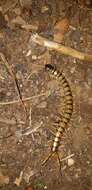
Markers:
45,187
72,70
21,85
76,175
8,93
34,57
28,53
44,9
42,104
88,162
70,162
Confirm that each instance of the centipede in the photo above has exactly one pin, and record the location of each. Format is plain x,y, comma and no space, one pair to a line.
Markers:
63,123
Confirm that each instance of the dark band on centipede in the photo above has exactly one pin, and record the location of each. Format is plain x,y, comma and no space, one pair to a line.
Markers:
68,105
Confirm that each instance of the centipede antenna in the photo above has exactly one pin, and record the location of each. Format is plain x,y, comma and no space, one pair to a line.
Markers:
59,163
49,156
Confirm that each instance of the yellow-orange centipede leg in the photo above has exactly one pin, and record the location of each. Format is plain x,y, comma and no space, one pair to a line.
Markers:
49,156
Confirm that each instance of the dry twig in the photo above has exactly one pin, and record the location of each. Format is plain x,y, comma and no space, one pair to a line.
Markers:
60,48
29,130
24,100
66,158
10,121
13,76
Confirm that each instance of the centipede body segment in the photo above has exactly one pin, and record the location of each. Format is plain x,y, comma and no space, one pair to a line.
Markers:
68,106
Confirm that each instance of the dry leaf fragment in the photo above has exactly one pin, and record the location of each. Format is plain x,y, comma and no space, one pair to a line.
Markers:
18,20
18,179
60,29
3,179
28,174
29,188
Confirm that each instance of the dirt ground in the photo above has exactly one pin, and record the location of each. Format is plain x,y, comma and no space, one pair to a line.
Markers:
26,134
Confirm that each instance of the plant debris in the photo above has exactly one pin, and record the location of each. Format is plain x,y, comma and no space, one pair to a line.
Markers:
4,179
60,29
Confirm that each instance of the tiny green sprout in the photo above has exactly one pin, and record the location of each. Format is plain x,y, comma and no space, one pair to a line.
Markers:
39,184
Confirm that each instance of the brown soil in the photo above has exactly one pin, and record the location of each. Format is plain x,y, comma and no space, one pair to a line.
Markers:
20,148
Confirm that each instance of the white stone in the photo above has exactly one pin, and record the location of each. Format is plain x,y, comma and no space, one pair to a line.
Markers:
70,162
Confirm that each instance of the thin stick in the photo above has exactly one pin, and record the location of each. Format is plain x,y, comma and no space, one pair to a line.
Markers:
24,100
14,78
30,117
60,48
7,121
10,121
66,158
29,130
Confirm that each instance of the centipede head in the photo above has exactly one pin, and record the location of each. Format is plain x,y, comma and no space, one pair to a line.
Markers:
49,67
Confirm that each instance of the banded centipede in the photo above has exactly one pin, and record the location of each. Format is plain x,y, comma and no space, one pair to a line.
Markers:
68,107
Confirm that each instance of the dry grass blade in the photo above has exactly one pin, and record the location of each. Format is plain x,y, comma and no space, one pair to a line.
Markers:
66,158
10,121
24,100
7,121
29,130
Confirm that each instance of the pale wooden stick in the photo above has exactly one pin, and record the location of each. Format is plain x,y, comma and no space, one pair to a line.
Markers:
66,158
24,100
60,48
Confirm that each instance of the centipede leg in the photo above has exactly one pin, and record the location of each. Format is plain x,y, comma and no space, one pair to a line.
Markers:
48,157
52,129
59,163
